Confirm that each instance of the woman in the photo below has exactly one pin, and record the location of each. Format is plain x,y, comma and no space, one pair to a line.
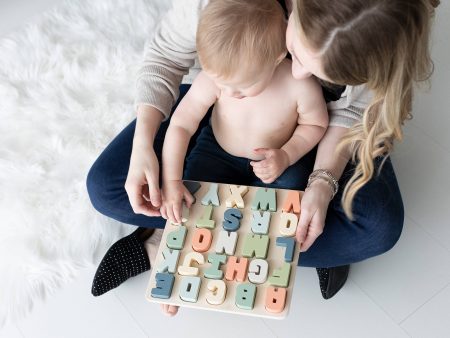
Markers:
368,54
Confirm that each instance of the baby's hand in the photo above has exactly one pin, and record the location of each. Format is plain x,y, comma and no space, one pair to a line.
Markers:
275,163
174,192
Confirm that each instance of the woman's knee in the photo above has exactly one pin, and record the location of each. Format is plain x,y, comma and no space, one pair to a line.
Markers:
391,225
95,186
380,224
380,208
99,184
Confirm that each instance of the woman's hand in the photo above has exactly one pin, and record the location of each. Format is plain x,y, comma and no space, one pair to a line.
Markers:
314,208
274,164
142,184
174,193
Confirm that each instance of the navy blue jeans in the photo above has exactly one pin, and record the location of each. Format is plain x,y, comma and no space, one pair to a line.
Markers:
377,207
208,154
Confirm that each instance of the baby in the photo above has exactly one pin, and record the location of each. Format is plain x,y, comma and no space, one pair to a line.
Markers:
263,120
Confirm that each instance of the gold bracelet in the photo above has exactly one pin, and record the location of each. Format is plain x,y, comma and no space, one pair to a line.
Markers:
327,177
324,179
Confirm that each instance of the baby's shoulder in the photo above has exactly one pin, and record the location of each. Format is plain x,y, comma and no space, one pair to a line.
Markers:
296,87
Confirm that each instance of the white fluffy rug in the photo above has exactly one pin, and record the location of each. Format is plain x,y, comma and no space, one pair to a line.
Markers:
66,88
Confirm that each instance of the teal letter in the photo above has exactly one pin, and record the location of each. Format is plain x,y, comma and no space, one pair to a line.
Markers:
245,296
265,199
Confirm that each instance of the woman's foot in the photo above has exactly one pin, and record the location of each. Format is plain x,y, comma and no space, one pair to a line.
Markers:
126,258
169,310
331,280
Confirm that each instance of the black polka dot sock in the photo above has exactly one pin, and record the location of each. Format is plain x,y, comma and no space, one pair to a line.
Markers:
126,258
331,280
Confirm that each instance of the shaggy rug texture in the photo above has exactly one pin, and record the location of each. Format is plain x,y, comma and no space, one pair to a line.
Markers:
66,89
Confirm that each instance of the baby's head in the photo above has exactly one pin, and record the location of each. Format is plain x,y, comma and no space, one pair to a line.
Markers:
240,43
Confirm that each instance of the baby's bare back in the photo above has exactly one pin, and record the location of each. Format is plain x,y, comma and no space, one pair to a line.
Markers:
264,121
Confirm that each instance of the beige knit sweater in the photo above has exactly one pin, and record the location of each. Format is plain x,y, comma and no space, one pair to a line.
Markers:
170,58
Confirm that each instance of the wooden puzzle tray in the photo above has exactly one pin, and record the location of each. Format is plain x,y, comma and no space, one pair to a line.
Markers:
234,252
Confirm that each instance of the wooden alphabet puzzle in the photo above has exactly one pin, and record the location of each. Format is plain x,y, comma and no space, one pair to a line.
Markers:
235,251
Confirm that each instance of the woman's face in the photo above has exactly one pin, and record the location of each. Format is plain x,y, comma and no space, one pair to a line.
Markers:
305,61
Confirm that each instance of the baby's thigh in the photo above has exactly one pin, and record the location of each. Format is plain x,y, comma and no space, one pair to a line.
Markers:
209,163
207,168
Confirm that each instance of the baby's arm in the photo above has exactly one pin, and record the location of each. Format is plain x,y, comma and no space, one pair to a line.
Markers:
312,124
312,121
185,120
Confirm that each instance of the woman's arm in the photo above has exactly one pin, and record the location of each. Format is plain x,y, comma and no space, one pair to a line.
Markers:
344,113
143,173
317,197
327,158
168,56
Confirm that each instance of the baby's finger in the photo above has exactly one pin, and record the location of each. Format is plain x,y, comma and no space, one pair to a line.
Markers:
268,180
257,175
177,210
264,176
266,165
188,198
262,171
265,179
260,164
170,214
163,212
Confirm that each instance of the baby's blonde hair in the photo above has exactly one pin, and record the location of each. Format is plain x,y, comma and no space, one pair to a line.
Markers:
383,44
240,36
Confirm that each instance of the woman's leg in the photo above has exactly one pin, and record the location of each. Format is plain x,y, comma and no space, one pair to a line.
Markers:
378,212
378,222
106,187
377,208
107,176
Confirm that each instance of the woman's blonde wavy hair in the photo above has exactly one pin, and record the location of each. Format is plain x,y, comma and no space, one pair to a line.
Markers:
383,44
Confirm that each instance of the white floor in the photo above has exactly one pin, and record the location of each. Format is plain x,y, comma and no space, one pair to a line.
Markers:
404,293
